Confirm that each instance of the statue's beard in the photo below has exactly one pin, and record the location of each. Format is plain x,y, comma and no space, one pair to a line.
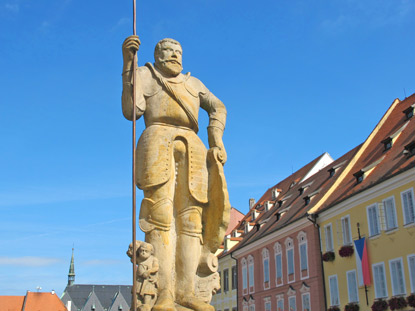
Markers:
170,67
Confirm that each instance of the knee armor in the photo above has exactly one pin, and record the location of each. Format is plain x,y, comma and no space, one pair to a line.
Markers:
156,215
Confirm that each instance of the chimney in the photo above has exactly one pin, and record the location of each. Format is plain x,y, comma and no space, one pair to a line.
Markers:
251,203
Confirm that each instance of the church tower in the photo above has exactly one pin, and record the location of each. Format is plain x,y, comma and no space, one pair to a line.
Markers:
71,274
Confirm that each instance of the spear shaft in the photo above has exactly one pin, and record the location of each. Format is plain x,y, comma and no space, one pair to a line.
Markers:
134,257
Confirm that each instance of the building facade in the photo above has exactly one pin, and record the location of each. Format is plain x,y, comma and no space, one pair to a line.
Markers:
368,228
226,298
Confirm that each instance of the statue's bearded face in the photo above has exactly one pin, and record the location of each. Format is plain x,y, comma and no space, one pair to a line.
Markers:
169,59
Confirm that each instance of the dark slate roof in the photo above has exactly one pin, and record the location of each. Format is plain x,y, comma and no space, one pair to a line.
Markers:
79,294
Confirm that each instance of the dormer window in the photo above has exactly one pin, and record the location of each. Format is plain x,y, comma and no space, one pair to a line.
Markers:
387,143
410,148
254,214
360,175
332,171
307,200
409,112
275,193
301,190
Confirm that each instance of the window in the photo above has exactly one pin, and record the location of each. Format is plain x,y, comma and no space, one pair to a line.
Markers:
303,254
379,280
305,299
265,263
289,244
352,286
244,276
278,264
280,304
220,283
360,176
329,238
302,245
226,280
409,112
387,143
408,206
390,213
290,261
291,304
334,291
252,308
409,149
347,235
397,277
411,268
373,220
234,277
251,273
267,305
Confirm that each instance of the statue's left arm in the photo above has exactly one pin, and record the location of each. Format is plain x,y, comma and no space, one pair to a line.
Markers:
217,120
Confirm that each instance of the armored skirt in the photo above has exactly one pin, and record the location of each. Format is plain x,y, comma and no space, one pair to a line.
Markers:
154,159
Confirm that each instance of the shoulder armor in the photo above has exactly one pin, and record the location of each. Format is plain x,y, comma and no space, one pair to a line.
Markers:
195,87
149,85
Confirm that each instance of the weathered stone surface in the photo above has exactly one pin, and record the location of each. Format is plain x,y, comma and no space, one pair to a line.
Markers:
185,210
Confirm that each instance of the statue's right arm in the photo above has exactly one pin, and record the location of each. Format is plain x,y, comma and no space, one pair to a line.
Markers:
129,48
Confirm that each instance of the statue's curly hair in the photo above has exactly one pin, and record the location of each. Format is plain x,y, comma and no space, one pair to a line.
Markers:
158,45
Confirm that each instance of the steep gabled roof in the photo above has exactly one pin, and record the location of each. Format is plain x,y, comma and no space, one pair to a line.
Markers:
79,294
295,199
35,301
373,161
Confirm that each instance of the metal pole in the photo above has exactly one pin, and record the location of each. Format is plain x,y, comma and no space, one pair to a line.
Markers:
134,296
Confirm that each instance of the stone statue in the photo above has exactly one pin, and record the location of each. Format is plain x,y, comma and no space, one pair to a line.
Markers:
147,275
185,210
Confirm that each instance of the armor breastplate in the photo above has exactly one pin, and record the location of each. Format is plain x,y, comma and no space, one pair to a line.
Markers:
162,108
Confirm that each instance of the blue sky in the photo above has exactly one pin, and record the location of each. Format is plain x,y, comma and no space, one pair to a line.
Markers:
299,78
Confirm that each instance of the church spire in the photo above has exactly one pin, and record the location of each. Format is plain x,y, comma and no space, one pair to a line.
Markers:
71,274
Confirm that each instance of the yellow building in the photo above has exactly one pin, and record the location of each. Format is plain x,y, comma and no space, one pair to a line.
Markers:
226,298
373,198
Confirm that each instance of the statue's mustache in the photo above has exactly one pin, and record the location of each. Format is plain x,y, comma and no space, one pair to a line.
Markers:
173,61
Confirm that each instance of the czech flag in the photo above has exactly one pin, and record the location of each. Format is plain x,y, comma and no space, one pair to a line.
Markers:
362,262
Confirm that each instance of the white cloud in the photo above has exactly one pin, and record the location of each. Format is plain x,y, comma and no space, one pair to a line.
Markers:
28,261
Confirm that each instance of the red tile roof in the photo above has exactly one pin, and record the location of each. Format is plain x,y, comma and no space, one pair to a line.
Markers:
388,163
43,302
11,303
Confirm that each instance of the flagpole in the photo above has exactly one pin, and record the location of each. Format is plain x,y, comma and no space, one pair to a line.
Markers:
134,292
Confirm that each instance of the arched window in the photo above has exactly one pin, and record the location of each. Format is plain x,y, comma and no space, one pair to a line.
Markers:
251,277
265,264
244,276
289,245
303,251
278,264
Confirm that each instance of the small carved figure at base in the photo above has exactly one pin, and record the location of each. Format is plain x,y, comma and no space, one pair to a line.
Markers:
147,275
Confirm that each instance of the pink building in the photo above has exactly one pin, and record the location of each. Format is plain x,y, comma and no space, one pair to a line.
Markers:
279,257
